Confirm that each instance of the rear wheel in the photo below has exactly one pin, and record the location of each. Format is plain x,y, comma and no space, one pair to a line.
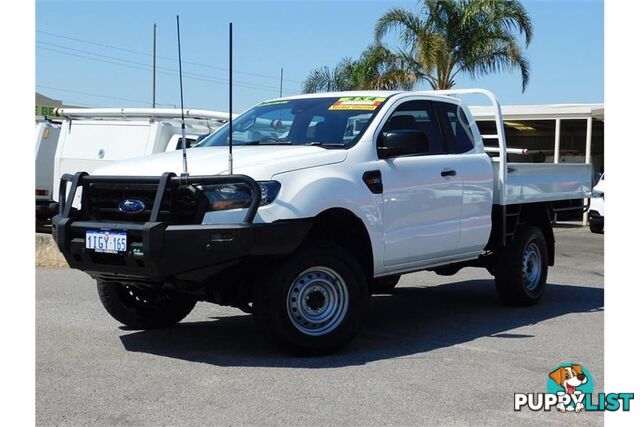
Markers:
521,267
313,304
143,308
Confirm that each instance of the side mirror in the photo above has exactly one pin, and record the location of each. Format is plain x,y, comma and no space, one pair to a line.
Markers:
405,142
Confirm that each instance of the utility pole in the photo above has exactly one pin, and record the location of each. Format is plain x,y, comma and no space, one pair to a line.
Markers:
153,103
281,73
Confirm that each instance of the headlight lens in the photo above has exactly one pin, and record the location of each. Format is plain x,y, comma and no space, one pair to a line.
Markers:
597,194
238,196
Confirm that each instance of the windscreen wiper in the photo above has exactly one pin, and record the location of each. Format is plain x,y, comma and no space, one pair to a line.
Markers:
326,144
263,142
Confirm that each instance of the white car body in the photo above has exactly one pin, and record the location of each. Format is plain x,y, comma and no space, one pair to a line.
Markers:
421,220
327,198
46,143
597,203
596,206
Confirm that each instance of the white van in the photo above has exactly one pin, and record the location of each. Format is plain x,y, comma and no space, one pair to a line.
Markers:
47,133
93,137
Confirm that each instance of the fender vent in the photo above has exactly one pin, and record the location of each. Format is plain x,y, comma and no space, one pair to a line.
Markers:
373,181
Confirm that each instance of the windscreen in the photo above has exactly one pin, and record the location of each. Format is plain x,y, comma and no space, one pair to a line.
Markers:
328,122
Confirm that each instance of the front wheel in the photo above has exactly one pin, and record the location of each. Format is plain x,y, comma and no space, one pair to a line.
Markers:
144,308
313,304
521,267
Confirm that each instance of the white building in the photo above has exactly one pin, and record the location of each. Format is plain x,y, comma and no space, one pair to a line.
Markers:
552,133
572,133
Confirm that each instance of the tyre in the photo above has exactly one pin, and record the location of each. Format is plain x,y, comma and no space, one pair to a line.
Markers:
383,285
141,308
596,227
313,304
521,267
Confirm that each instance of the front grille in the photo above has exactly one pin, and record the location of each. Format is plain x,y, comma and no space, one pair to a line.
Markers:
180,205
180,202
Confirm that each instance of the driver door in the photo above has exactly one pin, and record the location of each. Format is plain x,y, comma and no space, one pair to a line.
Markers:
422,199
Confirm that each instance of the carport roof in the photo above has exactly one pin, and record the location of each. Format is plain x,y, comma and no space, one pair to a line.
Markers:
542,112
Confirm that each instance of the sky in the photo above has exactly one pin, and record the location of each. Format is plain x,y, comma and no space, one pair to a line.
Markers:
98,53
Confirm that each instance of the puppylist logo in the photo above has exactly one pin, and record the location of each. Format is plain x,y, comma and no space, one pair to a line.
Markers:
570,389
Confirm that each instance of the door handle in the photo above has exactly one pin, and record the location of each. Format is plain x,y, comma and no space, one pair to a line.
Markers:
448,172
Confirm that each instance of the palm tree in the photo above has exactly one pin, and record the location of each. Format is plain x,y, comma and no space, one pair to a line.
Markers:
473,37
377,68
325,79
380,68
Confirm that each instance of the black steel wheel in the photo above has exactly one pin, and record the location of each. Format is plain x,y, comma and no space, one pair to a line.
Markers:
143,308
521,267
313,303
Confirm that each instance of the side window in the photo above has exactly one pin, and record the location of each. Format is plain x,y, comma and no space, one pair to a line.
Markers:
455,127
316,123
417,115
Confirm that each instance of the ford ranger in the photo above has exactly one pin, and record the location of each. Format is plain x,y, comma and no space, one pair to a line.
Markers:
332,198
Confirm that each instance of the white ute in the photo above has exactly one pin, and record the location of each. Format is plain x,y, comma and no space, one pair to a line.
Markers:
333,196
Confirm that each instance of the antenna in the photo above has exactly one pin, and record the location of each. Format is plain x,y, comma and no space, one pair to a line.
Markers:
153,103
184,136
230,98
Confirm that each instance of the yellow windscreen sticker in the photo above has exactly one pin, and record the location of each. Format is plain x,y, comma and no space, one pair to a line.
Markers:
364,103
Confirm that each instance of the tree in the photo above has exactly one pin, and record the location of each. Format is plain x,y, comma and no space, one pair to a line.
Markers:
380,68
473,37
325,79
376,68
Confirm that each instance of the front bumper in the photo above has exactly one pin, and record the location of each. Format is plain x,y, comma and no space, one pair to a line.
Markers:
161,251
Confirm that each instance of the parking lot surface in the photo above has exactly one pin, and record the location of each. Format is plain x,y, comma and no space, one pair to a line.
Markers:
439,350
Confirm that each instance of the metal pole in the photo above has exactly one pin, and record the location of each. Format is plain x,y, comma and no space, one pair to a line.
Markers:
281,74
153,103
587,154
556,154
184,136
556,148
230,98
587,157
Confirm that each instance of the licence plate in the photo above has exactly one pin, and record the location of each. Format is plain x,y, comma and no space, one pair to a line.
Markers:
107,241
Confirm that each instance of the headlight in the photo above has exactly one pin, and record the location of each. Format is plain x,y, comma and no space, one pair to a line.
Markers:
238,196
597,194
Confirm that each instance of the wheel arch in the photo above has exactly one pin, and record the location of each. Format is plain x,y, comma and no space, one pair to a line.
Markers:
506,219
346,229
540,215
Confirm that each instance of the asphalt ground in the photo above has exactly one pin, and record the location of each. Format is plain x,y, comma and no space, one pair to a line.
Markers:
439,350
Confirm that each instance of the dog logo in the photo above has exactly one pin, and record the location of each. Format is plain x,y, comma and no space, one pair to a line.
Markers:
571,380
570,389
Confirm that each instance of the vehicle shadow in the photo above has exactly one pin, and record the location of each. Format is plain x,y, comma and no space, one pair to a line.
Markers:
412,320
